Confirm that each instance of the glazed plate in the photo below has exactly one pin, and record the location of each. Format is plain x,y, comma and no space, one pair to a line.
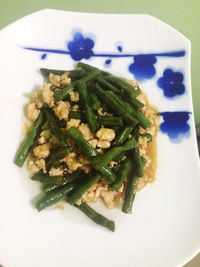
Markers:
163,229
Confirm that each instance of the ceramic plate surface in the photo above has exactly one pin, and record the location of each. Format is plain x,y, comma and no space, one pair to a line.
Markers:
164,227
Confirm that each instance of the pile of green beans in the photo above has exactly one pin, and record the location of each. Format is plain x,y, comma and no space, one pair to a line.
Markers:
97,89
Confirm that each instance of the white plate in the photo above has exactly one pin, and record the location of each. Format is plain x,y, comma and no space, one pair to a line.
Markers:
164,227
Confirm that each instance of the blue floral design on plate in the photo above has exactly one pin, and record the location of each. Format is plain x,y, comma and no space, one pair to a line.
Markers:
143,68
175,125
80,47
172,83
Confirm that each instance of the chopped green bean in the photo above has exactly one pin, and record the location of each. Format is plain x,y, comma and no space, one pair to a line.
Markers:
95,102
121,174
117,104
91,152
54,124
76,115
54,196
75,176
123,136
96,217
29,141
89,114
123,85
83,187
58,154
78,73
85,146
110,121
63,93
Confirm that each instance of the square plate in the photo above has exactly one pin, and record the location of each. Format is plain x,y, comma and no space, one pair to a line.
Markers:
164,227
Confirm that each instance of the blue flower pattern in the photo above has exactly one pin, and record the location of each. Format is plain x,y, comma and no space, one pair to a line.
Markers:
80,47
143,67
175,125
171,83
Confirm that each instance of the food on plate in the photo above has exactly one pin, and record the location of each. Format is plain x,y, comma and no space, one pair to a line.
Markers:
93,136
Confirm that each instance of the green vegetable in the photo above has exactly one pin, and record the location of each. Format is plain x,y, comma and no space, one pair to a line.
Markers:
29,141
148,136
136,132
130,193
96,217
75,176
107,157
123,85
54,196
85,146
58,154
90,68
90,152
76,115
54,124
89,114
117,104
108,85
131,189
110,121
122,136
135,156
46,179
95,102
83,187
63,93
132,101
121,174
78,73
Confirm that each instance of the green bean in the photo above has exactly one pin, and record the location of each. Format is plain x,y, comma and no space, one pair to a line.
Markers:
116,103
96,217
130,193
29,141
108,85
83,187
63,93
121,174
131,189
95,102
136,132
148,136
89,114
110,121
120,157
46,179
54,196
106,158
90,152
76,115
54,124
58,154
85,146
123,85
75,176
77,74
107,173
143,121
132,101
89,68
135,156
123,136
